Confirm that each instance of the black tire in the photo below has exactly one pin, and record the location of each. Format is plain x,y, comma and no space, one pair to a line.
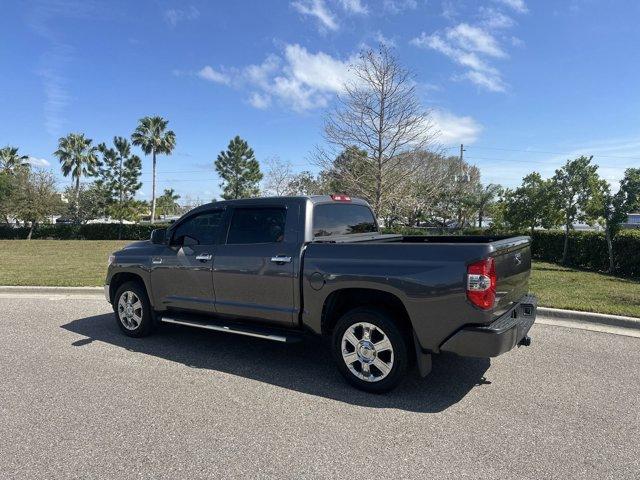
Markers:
397,356
134,328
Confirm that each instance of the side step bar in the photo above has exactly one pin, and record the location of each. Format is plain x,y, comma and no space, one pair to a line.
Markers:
237,329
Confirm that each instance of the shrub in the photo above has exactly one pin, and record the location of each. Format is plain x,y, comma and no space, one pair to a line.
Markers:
92,231
586,249
626,248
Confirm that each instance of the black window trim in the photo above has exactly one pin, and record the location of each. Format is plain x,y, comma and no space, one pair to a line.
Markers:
232,210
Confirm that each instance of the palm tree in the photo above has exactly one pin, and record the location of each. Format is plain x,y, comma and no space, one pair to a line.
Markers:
10,160
77,157
485,197
151,135
168,202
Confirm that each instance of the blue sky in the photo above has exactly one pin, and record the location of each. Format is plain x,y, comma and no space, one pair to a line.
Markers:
523,84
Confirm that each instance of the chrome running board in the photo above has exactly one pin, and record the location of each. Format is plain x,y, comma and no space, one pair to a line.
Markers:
238,330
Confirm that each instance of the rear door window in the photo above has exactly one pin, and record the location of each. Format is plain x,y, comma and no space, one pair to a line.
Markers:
257,225
342,219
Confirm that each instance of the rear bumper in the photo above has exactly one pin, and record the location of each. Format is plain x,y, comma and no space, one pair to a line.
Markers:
498,337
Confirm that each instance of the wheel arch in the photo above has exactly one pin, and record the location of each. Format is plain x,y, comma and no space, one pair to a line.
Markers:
343,300
120,278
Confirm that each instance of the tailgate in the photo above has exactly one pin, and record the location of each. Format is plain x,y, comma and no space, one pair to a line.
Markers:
513,265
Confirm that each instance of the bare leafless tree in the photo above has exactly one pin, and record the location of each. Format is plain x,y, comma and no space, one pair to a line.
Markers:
278,177
379,113
420,192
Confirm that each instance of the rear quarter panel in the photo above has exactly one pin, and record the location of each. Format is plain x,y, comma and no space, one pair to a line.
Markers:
428,279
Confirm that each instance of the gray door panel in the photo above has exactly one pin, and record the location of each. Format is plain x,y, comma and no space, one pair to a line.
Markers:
182,276
183,281
254,272
248,284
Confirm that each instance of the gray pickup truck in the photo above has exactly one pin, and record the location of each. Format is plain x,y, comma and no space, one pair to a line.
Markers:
281,268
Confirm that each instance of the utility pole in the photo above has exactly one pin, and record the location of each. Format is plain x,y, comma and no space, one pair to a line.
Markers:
463,173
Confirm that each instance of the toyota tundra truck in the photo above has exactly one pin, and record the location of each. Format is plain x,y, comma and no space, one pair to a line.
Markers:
285,267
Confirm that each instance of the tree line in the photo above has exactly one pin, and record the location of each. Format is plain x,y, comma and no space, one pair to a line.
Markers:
575,193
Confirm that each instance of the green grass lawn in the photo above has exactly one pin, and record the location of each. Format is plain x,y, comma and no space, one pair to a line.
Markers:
68,263
84,263
561,287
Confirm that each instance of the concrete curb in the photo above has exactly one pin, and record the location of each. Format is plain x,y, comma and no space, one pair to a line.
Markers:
589,317
83,291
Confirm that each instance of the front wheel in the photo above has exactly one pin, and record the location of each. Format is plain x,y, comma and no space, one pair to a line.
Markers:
370,350
133,311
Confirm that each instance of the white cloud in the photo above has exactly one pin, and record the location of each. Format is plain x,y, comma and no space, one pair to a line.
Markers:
466,55
38,162
454,129
173,16
307,80
476,46
354,6
260,74
259,100
449,9
494,19
516,42
317,70
399,6
299,79
474,39
489,80
208,73
380,38
57,97
319,10
517,5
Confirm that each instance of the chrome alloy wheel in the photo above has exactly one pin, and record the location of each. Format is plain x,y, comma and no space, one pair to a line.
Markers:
130,310
367,351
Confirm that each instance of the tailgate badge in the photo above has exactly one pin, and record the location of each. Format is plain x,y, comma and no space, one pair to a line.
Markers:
518,258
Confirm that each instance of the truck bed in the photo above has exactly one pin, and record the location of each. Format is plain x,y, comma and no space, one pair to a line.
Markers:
427,273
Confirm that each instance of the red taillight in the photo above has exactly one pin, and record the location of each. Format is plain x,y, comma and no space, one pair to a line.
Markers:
340,198
481,283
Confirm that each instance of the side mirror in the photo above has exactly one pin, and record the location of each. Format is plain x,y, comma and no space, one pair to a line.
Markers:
159,236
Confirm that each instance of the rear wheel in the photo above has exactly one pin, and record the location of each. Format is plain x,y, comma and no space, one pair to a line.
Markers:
370,350
133,311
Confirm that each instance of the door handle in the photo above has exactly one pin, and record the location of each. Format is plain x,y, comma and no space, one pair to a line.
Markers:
203,257
281,259
156,260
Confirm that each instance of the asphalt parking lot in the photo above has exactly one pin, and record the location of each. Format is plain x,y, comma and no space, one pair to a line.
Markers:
80,400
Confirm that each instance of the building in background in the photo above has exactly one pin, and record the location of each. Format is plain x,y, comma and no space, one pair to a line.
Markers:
633,221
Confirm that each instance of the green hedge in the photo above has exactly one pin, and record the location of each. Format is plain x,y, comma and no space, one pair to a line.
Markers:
626,248
588,250
92,231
